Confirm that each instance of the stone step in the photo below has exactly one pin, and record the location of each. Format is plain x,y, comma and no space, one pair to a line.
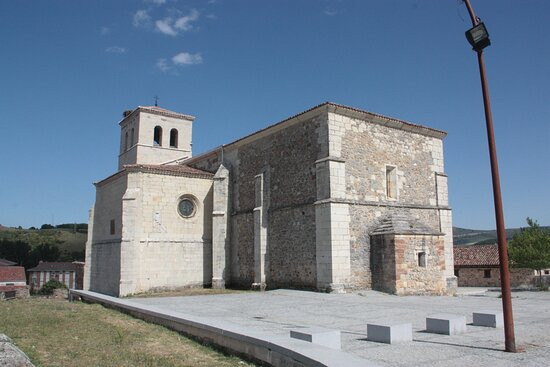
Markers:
447,324
318,335
389,333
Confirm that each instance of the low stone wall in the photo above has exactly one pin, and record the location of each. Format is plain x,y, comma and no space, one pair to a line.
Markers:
475,277
20,292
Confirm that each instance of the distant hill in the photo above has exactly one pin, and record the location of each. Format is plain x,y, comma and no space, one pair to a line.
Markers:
465,236
71,243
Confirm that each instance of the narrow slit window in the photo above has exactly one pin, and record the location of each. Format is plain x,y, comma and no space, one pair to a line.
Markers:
132,138
391,182
126,141
157,136
173,138
487,273
112,227
422,259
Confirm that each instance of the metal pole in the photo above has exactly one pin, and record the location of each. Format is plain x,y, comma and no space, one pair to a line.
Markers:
509,336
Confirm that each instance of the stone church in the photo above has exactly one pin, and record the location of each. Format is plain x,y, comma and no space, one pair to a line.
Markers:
331,199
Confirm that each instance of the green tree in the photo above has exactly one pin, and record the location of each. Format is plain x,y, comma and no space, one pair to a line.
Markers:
14,250
42,252
530,248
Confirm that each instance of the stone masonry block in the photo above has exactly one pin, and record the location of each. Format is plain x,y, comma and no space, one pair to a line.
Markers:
488,318
317,335
389,333
447,324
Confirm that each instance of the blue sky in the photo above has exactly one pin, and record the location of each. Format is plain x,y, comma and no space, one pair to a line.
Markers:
69,68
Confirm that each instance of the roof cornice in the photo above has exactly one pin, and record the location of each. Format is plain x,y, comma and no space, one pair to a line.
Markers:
156,111
385,120
327,107
167,170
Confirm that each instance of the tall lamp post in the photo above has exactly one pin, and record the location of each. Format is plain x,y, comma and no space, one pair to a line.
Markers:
479,39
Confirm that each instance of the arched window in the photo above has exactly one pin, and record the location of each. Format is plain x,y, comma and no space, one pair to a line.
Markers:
173,138
132,138
157,138
126,142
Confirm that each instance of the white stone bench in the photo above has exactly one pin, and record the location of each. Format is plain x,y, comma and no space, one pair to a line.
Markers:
447,324
389,333
488,319
317,335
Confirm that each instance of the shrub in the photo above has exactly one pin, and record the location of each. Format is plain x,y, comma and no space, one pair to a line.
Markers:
52,284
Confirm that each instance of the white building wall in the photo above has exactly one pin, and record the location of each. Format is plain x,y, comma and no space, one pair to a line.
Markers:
104,251
162,249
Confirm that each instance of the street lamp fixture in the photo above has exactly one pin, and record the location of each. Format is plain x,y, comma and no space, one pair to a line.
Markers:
478,37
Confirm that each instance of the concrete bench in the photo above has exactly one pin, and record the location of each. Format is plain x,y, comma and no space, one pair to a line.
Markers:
389,333
446,324
317,335
488,319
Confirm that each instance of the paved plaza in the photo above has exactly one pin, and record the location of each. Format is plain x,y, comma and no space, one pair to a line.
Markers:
279,311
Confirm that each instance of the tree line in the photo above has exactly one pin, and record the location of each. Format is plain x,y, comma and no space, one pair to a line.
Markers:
24,255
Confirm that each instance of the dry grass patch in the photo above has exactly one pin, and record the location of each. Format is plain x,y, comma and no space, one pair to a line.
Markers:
58,333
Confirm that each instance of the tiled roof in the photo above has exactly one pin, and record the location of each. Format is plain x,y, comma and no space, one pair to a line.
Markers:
403,224
12,274
4,262
163,169
166,168
159,111
476,255
339,109
55,266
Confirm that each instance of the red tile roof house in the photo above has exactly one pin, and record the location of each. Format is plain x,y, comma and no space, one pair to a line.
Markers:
68,273
13,283
478,266
4,262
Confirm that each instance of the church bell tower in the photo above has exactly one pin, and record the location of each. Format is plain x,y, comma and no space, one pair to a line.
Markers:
153,135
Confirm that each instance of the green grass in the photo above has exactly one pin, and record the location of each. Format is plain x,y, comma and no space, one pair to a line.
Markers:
56,332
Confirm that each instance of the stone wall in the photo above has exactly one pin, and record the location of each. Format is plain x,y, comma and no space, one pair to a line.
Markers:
108,206
337,164
368,147
475,277
10,291
396,266
103,248
290,229
286,158
364,219
105,268
160,248
413,278
242,249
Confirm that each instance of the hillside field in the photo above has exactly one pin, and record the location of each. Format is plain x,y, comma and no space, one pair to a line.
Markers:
69,242
465,236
